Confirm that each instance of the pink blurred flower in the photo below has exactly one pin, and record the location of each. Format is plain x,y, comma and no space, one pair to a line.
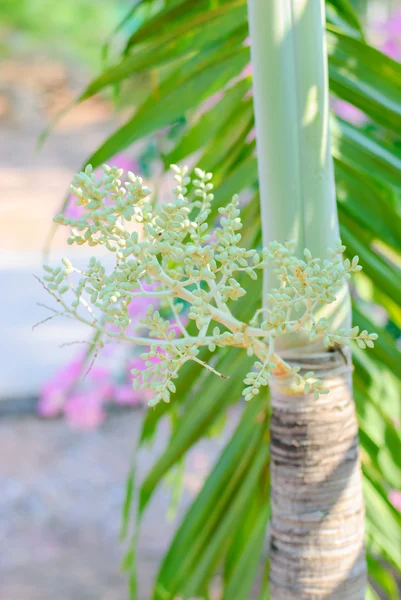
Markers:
100,379
84,410
58,393
126,395
392,49
51,401
395,499
251,135
54,392
210,102
138,306
247,71
393,26
387,35
348,112
72,211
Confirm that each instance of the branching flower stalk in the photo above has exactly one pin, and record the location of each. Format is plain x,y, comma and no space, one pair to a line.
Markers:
181,260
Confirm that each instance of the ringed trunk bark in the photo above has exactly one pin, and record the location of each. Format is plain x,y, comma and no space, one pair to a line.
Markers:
317,528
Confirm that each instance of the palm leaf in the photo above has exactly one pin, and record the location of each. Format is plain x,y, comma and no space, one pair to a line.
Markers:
216,513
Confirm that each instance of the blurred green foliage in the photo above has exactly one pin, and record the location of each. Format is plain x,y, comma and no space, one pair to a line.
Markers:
71,29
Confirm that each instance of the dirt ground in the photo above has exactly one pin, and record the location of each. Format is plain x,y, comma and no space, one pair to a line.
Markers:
60,508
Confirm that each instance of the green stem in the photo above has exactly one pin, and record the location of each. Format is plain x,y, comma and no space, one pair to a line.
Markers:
292,122
291,101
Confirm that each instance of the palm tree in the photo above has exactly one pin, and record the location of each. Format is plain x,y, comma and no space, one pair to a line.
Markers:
317,514
191,51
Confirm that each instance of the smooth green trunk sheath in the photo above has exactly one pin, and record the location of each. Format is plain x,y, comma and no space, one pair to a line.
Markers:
291,108
317,505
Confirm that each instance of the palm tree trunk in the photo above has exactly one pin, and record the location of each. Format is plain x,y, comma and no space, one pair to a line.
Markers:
317,528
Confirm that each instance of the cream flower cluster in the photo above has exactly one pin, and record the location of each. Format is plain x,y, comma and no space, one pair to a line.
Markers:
182,261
